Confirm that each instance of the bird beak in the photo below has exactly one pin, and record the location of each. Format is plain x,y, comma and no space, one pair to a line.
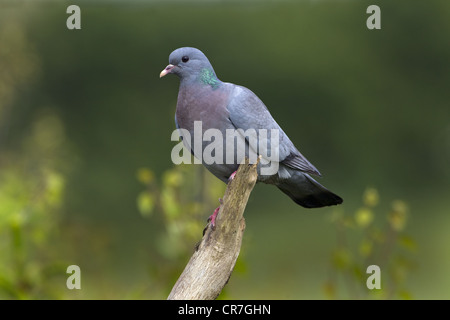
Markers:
167,70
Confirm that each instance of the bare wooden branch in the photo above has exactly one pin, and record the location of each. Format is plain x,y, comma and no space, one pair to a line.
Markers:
210,267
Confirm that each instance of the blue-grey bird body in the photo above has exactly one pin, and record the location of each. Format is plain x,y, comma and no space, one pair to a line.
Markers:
220,105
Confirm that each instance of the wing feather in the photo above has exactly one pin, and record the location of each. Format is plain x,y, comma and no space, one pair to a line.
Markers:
247,111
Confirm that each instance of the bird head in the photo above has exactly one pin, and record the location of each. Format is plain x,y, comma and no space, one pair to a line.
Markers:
187,63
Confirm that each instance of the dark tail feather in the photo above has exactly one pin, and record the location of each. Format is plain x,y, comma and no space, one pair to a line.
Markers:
307,192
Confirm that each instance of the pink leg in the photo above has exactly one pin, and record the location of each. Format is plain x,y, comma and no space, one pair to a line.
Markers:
212,218
232,176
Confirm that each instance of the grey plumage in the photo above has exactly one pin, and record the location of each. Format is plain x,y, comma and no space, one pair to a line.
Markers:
220,105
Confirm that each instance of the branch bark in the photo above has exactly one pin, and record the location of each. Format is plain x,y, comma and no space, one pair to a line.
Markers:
211,265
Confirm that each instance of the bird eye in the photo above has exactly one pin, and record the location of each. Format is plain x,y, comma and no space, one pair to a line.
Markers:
185,59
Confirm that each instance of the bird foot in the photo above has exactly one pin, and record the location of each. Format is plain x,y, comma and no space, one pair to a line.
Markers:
212,218
232,176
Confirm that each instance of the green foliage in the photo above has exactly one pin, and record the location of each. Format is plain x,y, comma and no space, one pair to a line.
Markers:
362,242
31,194
32,183
28,223
184,197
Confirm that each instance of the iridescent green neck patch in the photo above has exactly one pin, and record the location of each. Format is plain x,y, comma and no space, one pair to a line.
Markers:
207,76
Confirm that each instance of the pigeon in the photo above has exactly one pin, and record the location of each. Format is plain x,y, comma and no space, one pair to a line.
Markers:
204,99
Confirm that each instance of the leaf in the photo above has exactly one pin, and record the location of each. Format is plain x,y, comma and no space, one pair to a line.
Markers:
170,204
55,187
364,217
408,243
398,215
145,203
145,175
172,178
371,197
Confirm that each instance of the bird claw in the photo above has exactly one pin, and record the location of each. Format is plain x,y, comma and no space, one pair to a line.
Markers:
232,176
212,218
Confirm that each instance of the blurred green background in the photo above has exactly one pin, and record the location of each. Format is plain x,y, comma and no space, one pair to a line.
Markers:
85,124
